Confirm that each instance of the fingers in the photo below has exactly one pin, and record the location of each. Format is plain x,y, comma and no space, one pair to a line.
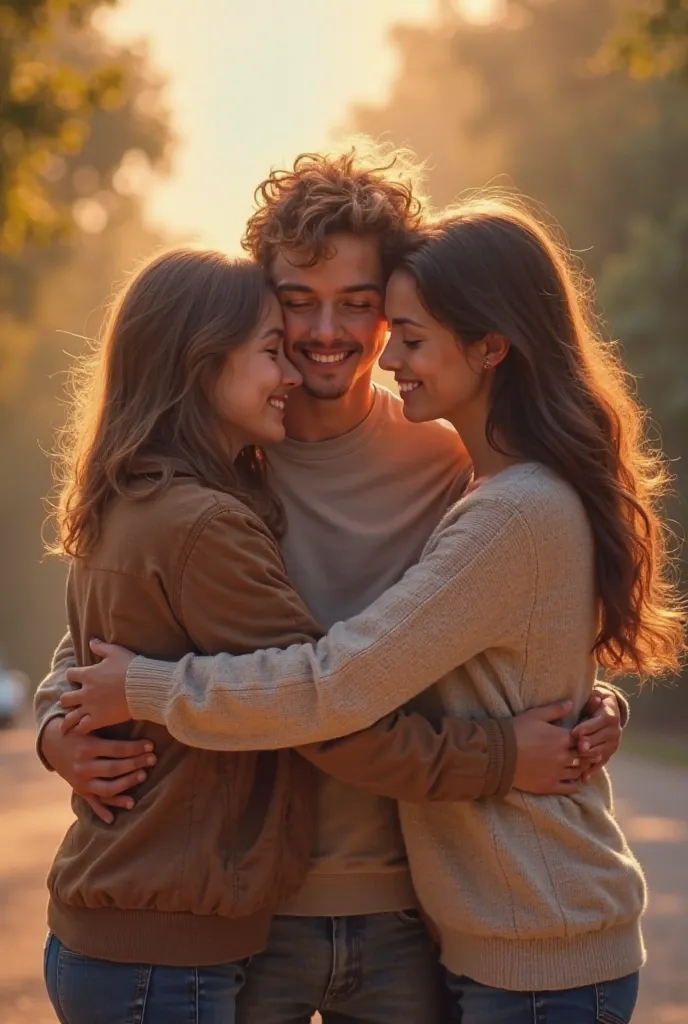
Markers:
108,788
591,744
79,722
126,803
120,748
72,698
590,726
99,809
551,712
71,720
592,704
77,675
101,649
112,769
604,743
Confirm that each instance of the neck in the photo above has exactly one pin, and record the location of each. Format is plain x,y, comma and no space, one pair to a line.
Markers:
321,419
485,460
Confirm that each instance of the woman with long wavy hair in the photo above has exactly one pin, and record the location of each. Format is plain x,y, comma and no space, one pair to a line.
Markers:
554,565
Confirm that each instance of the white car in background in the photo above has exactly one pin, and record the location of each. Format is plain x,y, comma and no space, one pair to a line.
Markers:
13,694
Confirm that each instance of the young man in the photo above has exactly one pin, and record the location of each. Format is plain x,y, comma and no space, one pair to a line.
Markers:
362,489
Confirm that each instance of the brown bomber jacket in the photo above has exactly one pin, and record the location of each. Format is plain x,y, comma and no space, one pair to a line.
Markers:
216,841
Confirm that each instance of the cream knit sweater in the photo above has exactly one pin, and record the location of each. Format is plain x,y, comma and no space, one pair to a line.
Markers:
532,893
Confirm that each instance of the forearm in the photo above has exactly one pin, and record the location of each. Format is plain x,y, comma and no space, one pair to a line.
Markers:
406,758
46,702
359,672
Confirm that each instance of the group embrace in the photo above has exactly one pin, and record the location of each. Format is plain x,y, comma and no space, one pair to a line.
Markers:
328,700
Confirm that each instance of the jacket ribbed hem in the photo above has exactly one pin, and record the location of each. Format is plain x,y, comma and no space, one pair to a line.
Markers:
154,937
346,895
537,965
148,688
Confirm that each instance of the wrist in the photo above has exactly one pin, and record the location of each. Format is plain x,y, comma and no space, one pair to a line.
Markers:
51,727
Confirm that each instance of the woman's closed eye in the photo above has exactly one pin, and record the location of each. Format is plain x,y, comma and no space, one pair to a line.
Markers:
413,343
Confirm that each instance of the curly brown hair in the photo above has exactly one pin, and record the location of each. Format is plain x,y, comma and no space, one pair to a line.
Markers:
370,190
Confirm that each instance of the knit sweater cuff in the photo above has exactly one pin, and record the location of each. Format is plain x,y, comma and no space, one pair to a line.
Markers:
501,753
149,689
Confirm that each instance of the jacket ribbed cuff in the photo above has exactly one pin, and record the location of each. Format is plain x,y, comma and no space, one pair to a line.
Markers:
149,689
501,753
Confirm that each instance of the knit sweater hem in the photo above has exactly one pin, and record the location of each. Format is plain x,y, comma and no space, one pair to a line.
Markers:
156,937
351,894
552,963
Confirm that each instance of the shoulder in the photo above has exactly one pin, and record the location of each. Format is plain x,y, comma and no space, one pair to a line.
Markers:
529,499
165,527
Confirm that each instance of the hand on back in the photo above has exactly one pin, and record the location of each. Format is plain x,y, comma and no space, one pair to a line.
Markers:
554,760
99,770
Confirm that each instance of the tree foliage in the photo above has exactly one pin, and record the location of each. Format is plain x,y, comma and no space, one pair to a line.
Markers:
48,98
652,39
52,296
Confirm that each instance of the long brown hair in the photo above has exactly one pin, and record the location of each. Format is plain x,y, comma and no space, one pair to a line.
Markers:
143,402
562,398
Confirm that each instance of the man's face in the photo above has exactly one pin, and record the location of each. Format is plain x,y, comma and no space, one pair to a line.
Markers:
333,314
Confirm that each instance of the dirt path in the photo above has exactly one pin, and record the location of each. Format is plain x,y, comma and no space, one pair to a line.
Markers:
652,802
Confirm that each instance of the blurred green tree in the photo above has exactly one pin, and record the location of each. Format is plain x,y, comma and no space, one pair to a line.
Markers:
652,39
52,296
46,103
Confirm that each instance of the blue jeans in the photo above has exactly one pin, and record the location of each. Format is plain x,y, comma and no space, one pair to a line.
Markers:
373,968
609,1002
87,991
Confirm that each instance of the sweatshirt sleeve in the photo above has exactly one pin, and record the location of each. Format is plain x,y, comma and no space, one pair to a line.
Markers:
227,602
46,701
471,591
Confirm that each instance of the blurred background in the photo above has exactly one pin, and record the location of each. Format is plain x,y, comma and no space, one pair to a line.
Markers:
128,125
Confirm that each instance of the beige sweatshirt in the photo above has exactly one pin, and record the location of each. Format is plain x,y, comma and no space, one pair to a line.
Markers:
534,893
360,508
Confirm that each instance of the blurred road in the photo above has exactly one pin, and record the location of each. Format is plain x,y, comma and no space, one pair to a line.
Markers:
652,803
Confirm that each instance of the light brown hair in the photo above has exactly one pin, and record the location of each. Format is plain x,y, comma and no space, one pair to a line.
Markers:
368,191
143,402
561,397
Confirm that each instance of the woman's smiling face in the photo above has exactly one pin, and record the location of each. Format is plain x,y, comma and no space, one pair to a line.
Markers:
251,391
437,375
